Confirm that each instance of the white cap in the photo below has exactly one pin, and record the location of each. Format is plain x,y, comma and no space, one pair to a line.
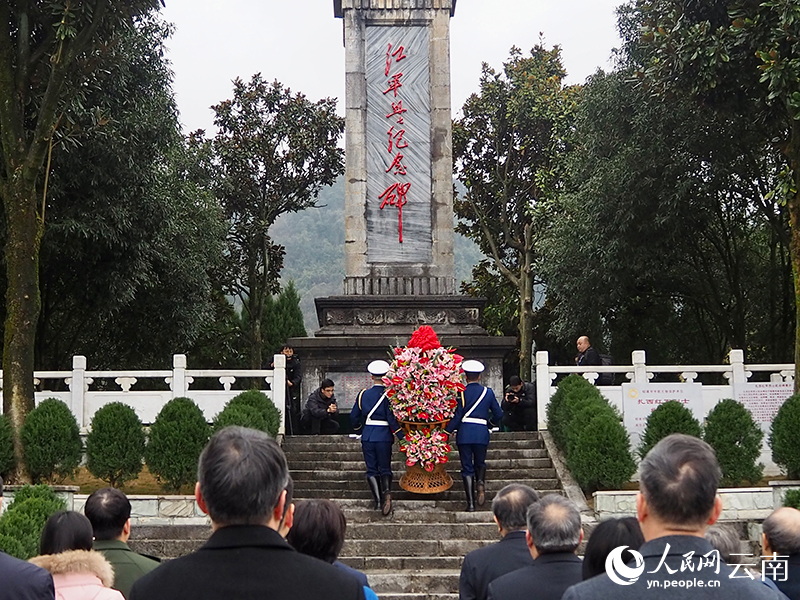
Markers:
473,366
378,367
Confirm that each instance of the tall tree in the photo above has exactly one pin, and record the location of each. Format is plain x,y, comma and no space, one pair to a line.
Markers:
506,149
275,150
715,50
48,50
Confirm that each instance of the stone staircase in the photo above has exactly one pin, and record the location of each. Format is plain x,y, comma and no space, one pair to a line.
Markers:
416,552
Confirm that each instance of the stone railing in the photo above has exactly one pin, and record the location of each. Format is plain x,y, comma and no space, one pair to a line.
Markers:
86,391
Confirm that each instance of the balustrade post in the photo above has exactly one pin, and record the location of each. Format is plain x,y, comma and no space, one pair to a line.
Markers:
543,382
178,375
639,360
736,359
279,389
77,388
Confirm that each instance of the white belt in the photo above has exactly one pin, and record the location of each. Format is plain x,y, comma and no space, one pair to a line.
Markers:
375,422
474,421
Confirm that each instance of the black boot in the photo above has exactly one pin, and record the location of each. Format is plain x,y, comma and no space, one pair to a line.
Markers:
480,484
375,488
469,489
386,489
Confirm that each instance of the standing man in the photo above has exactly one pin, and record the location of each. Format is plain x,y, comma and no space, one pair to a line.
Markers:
519,406
482,566
243,477
372,417
109,512
20,580
472,421
553,536
321,410
587,356
294,375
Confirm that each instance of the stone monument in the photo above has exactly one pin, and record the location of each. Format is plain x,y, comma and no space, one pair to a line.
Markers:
399,270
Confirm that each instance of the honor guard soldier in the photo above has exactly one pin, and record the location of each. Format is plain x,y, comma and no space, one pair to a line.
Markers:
372,417
471,419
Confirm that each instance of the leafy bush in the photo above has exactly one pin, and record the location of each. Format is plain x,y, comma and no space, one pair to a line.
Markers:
261,402
601,457
241,415
784,439
177,437
736,438
792,499
22,523
558,411
51,441
115,446
7,461
671,417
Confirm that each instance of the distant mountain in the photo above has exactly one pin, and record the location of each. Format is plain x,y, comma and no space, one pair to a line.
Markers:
314,242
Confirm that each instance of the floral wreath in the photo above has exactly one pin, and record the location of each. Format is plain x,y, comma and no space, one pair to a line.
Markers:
422,384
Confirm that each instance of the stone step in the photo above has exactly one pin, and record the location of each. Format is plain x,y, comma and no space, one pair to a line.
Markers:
413,548
400,465
403,563
358,488
343,443
420,531
300,476
390,596
453,498
364,514
354,455
429,581
293,440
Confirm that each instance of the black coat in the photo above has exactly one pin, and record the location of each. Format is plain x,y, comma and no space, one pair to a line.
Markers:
550,575
247,562
317,405
791,587
484,565
293,371
527,399
20,580
589,358
722,586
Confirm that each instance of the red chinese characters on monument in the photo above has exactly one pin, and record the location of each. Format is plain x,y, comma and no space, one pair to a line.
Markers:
395,194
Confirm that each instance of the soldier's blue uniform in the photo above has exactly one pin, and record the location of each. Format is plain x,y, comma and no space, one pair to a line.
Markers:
372,417
476,406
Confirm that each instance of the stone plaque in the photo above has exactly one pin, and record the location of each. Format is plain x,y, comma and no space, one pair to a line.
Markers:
347,386
638,401
398,212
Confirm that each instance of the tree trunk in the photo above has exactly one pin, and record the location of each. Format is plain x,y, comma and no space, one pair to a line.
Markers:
22,303
793,204
526,311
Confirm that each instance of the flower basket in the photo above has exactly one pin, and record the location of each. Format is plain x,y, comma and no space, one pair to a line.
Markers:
422,385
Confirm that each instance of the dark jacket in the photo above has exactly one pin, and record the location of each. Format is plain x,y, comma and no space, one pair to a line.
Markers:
550,575
791,587
527,399
293,372
128,566
374,431
589,358
241,562
20,580
714,586
362,578
487,409
317,405
484,565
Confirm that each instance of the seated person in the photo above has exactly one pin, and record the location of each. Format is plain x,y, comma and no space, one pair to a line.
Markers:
321,412
519,406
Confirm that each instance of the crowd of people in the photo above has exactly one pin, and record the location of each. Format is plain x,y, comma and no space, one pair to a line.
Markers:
265,545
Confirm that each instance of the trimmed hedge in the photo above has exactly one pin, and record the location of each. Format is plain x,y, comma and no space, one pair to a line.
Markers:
177,438
115,445
784,437
792,499
51,441
590,433
241,415
736,438
670,417
7,461
22,523
261,402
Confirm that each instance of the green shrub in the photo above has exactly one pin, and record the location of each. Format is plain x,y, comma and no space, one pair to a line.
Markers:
21,525
582,405
177,437
7,460
736,438
558,410
601,457
792,499
261,402
784,438
51,441
241,415
671,417
115,446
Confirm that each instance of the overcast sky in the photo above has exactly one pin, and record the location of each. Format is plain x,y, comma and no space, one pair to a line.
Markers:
299,43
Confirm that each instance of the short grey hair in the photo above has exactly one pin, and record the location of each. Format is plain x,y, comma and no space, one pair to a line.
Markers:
554,524
726,540
510,506
782,529
242,473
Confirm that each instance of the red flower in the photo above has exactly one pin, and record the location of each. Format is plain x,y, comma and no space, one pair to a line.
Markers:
429,467
424,338
424,416
443,459
410,463
457,358
447,448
